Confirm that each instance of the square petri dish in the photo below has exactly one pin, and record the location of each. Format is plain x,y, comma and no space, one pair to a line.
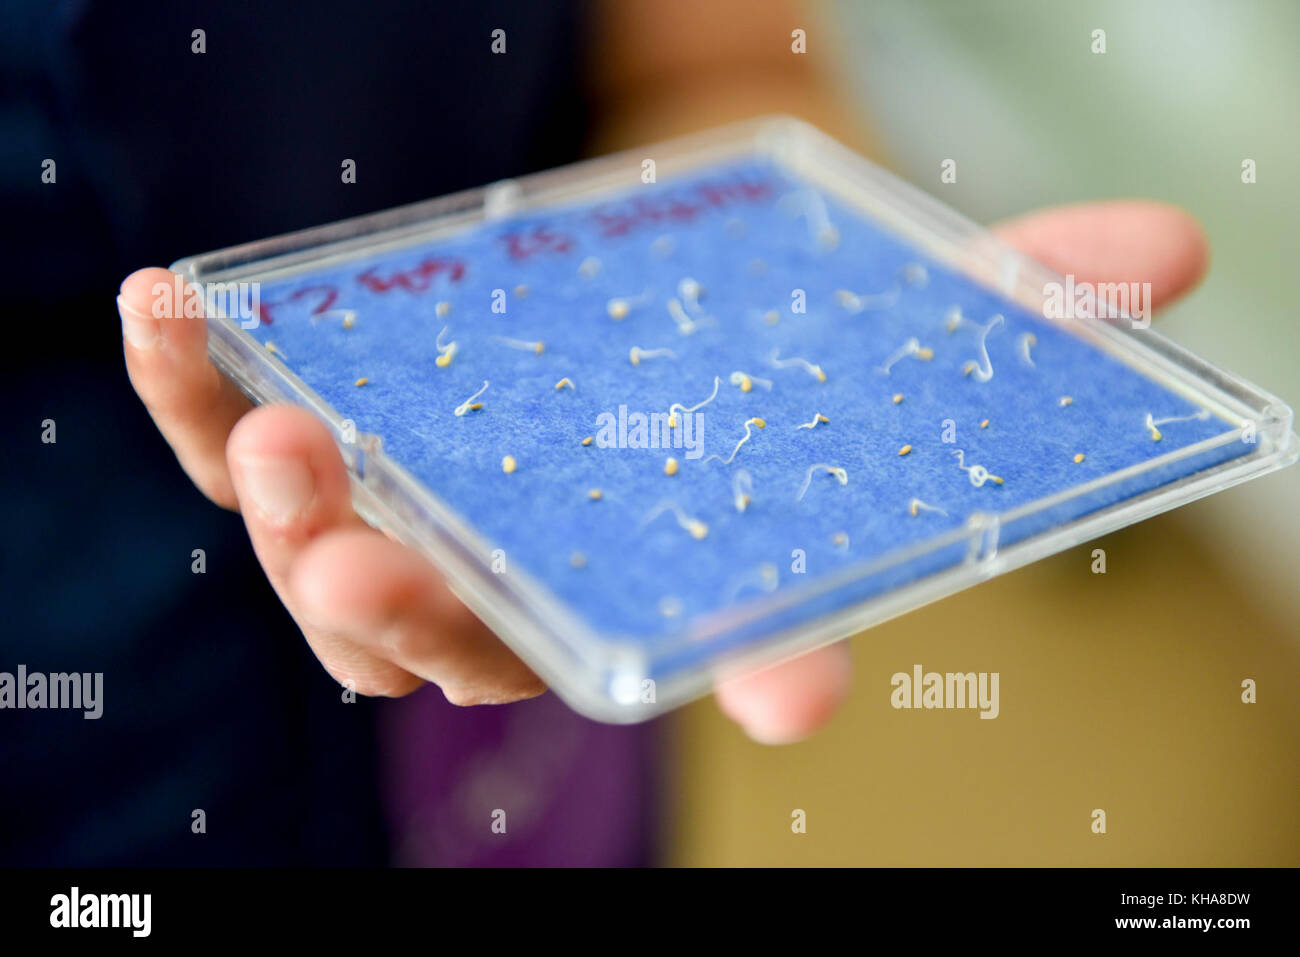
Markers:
672,414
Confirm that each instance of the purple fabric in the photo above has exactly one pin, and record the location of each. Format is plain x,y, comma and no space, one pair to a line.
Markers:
574,792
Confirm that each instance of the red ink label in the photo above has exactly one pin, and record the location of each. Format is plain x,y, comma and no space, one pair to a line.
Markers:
328,295
416,279
621,219
540,239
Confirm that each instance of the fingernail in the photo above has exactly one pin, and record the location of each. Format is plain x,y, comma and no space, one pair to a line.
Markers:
142,331
776,735
281,488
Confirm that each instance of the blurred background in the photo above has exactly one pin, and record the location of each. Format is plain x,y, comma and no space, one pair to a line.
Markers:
1118,691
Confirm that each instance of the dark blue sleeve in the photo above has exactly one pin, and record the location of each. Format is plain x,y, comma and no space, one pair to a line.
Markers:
211,698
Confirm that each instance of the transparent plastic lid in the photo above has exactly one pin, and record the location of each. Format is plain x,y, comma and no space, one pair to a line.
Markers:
683,411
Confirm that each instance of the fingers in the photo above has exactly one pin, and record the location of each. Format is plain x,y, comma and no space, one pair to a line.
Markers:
280,467
292,488
291,484
391,602
789,701
376,613
1119,241
193,405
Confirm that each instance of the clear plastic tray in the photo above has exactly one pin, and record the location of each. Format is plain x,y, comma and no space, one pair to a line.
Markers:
622,675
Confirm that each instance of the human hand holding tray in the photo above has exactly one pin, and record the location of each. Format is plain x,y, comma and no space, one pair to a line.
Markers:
507,372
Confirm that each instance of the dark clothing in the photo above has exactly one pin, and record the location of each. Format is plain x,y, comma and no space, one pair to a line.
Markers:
212,699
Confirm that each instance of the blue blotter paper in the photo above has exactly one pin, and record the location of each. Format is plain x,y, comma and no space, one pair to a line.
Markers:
885,397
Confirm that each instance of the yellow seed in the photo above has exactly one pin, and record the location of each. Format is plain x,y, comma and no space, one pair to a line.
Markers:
672,420
595,495
587,440
746,384
476,406
562,383
822,419
761,423
840,538
912,508
441,309
697,529
968,368
898,397
521,291
670,467
539,347
996,478
362,381
771,317
744,502
578,560
821,376
443,360
349,322
984,424
634,356
904,450
1066,400
1155,434
1078,458
925,352
508,464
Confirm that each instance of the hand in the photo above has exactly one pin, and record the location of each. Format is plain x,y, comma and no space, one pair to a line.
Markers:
377,614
